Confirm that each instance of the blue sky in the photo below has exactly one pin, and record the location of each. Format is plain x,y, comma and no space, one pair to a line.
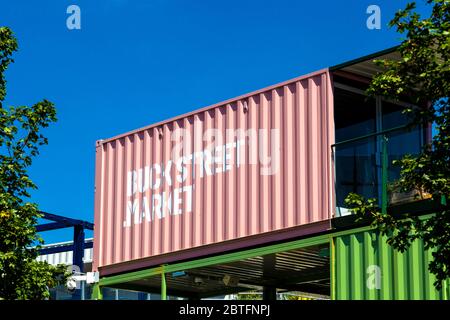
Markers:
138,62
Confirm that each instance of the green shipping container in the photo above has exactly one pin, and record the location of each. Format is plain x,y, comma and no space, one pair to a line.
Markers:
366,267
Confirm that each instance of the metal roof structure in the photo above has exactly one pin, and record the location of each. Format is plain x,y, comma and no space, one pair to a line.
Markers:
296,270
302,265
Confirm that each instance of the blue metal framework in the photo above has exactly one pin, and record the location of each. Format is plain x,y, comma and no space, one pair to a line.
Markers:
78,246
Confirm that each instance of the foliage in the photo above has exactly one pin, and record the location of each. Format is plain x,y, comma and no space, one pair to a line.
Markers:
422,75
21,276
8,45
249,296
297,297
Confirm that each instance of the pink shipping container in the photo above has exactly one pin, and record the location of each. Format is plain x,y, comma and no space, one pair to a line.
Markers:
240,173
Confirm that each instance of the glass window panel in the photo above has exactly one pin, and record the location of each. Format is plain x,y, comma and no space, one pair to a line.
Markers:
109,293
356,170
393,115
128,295
355,116
62,293
87,291
358,163
401,143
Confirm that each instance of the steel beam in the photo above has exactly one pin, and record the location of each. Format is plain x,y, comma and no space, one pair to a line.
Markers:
78,253
78,246
67,221
269,293
51,226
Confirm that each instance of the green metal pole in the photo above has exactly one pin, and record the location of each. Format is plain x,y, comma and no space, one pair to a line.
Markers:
333,268
163,284
96,292
384,175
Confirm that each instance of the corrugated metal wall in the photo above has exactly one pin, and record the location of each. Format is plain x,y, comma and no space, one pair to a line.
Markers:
234,202
366,267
